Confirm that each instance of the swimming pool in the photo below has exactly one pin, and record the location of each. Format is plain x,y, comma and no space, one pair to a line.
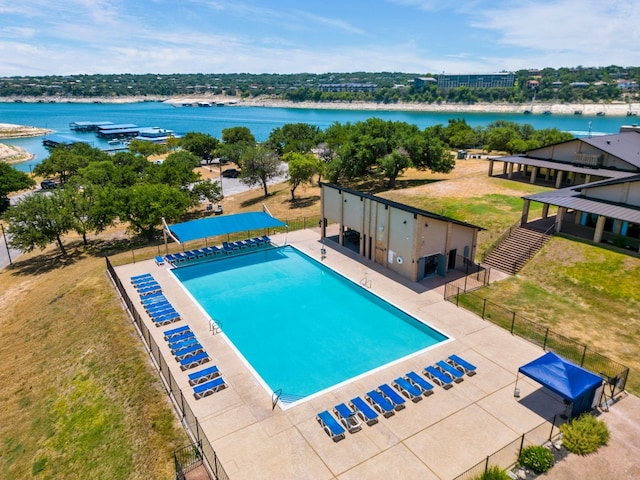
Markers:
301,326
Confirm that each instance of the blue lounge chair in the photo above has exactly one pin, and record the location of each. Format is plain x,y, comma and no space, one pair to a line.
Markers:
175,332
348,418
147,283
144,279
184,343
161,309
181,335
420,382
229,247
208,251
213,386
143,292
159,260
408,389
166,319
265,239
142,275
438,377
180,257
241,245
152,298
189,351
163,315
198,253
190,255
462,364
380,403
205,375
171,258
194,361
365,412
393,396
330,425
156,306
447,369
251,243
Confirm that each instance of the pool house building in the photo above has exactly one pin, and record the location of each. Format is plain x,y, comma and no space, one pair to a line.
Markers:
410,241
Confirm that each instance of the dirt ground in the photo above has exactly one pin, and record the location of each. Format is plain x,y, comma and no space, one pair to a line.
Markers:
618,459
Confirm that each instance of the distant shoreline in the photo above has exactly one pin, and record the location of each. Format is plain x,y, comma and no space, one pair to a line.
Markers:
616,109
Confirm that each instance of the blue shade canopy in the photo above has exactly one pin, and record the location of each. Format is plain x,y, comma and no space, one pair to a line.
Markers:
561,376
223,224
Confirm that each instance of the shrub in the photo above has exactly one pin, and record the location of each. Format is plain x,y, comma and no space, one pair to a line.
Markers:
494,473
536,458
584,434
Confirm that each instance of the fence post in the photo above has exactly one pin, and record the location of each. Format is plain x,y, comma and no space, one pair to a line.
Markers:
484,306
513,321
465,282
133,256
486,464
553,425
546,336
584,353
521,445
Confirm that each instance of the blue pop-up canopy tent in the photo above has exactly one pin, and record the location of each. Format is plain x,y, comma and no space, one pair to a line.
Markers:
566,379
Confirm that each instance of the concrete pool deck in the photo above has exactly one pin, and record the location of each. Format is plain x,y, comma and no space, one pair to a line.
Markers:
439,437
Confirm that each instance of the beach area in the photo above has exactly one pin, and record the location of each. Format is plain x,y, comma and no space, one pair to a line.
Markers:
11,153
618,109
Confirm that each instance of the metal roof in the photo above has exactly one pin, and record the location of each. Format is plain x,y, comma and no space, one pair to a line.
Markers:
566,167
625,145
401,206
572,198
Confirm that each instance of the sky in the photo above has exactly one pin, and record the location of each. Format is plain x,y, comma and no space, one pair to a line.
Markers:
62,37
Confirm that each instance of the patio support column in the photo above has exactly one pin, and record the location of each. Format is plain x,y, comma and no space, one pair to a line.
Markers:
560,218
587,179
525,212
510,175
534,174
504,168
597,236
545,210
577,217
490,167
559,174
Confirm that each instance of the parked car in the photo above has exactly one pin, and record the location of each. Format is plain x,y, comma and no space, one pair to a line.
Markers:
231,173
48,184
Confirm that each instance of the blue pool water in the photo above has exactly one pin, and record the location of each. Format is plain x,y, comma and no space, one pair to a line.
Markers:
302,327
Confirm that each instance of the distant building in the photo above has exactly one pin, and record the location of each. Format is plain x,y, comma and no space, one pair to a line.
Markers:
579,84
348,87
477,80
420,82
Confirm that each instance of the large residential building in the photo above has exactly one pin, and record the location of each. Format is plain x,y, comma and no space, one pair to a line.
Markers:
477,80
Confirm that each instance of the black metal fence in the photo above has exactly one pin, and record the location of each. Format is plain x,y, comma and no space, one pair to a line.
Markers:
187,459
507,457
188,418
615,374
475,276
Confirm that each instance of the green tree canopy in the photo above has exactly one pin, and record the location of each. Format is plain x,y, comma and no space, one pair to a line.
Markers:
302,168
66,160
200,144
259,165
12,180
146,148
38,220
293,137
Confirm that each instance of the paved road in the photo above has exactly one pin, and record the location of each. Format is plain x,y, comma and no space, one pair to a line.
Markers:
231,186
5,253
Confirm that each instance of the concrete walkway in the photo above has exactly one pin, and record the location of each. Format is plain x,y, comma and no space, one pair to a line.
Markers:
439,437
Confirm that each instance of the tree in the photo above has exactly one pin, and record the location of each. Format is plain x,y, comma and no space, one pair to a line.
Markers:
259,165
302,168
200,144
147,148
144,206
12,180
38,220
236,141
393,164
91,207
210,190
66,160
176,170
293,137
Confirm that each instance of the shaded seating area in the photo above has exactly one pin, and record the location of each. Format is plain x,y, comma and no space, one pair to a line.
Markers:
215,252
387,399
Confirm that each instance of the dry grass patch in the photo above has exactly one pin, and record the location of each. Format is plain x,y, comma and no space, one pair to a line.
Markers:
83,399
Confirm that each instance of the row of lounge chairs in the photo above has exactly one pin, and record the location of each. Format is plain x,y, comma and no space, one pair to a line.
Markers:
185,347
153,300
188,351
227,248
386,400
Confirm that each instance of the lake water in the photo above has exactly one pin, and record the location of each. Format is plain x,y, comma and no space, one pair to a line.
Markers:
260,120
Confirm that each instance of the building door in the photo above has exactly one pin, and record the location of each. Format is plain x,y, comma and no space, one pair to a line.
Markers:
452,259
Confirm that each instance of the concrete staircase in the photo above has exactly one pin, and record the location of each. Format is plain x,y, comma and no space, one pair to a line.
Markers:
512,253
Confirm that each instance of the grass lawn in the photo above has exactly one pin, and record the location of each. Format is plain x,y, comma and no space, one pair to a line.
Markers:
80,398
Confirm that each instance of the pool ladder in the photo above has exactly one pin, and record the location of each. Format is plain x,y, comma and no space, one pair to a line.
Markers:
366,283
215,326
